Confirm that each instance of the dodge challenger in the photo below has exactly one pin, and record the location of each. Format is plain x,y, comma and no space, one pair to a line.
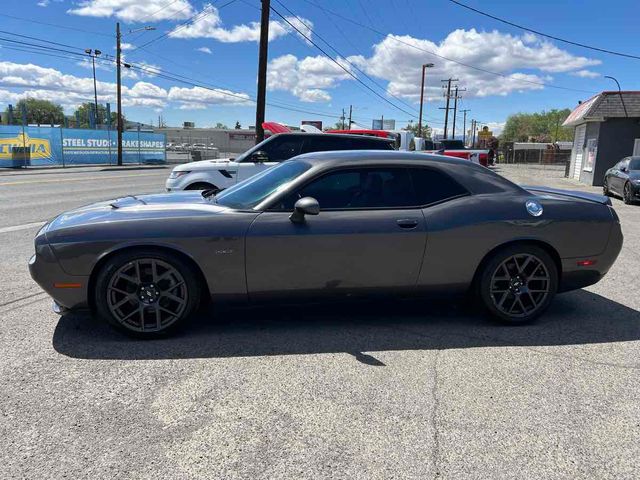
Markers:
327,225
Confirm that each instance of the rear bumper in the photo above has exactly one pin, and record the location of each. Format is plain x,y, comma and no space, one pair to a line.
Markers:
575,275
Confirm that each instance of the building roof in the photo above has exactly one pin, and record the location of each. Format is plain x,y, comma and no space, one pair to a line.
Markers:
605,105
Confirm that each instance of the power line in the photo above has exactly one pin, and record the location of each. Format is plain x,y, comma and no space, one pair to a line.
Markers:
577,44
521,80
345,58
191,21
340,65
65,27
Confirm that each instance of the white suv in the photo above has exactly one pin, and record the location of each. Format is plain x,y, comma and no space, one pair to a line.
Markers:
222,173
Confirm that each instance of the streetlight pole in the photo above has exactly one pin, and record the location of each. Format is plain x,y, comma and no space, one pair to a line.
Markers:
424,67
620,93
94,54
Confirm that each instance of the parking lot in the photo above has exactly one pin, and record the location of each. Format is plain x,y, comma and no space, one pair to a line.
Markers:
404,389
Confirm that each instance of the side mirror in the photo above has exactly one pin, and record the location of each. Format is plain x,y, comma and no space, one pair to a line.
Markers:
304,206
260,156
623,169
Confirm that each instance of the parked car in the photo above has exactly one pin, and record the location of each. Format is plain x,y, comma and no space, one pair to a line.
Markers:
623,179
327,225
222,173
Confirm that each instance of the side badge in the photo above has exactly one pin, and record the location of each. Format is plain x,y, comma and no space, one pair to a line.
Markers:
534,208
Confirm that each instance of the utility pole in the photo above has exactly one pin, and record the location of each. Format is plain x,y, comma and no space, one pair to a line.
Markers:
455,109
263,56
119,92
424,67
342,119
464,127
473,131
350,112
94,54
446,110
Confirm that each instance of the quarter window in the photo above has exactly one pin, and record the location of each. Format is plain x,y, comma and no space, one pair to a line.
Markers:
325,144
281,149
432,186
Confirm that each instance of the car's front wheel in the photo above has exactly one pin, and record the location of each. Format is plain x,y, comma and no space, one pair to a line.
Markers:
201,186
605,188
146,293
517,284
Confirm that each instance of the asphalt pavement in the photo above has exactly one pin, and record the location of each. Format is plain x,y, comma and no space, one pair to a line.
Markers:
401,389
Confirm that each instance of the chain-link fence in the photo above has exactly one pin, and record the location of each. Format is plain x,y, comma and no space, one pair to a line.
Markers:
546,161
58,146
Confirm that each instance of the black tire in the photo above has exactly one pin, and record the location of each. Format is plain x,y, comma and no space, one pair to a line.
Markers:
201,186
605,188
147,309
501,284
626,194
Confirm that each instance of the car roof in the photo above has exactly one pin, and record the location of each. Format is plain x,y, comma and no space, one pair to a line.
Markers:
335,135
473,176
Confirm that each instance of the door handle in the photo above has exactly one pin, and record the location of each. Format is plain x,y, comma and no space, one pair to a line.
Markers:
407,223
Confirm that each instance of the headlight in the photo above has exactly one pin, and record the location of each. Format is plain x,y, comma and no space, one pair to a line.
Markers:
178,173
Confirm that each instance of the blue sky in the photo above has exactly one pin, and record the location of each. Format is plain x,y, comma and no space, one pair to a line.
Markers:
218,48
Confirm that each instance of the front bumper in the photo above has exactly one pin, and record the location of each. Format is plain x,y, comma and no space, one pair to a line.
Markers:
68,291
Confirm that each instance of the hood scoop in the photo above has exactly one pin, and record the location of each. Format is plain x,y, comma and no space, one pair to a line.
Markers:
127,201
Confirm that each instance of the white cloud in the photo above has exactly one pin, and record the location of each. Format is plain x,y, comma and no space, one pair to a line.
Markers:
398,60
206,50
70,91
307,79
127,46
585,74
209,25
134,10
44,3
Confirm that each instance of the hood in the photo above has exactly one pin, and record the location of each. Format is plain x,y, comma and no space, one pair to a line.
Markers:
215,164
138,207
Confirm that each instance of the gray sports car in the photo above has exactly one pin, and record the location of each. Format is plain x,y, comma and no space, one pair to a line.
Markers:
325,225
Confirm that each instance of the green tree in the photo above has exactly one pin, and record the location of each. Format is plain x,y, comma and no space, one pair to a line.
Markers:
221,126
545,126
82,113
42,112
238,126
413,127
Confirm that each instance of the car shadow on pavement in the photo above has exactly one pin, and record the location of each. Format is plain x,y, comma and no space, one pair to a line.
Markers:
574,318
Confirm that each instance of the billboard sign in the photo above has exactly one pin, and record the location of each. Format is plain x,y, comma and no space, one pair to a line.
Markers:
71,146
382,124
314,123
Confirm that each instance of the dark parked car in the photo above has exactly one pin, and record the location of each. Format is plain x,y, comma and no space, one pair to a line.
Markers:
331,224
623,179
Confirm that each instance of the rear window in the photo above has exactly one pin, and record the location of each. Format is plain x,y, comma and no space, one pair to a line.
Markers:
432,186
325,144
365,143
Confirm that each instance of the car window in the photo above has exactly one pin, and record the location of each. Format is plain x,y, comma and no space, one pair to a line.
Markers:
325,144
434,186
282,148
634,164
358,189
370,144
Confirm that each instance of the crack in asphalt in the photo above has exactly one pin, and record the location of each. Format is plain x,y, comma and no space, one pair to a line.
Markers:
434,419
15,300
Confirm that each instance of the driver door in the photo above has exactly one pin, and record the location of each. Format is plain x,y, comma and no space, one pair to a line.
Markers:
367,237
278,149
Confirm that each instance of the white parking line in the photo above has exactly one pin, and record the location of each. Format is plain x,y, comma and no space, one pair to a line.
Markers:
24,226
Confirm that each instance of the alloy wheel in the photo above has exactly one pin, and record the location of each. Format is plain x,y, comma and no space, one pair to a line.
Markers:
520,285
147,295
627,194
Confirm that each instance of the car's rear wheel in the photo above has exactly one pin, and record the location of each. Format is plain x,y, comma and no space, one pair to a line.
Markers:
518,283
627,196
146,293
201,186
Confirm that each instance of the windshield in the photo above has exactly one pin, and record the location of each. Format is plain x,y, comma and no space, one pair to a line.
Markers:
249,193
257,148
634,164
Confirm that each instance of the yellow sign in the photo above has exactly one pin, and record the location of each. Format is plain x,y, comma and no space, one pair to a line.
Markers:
485,133
39,147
